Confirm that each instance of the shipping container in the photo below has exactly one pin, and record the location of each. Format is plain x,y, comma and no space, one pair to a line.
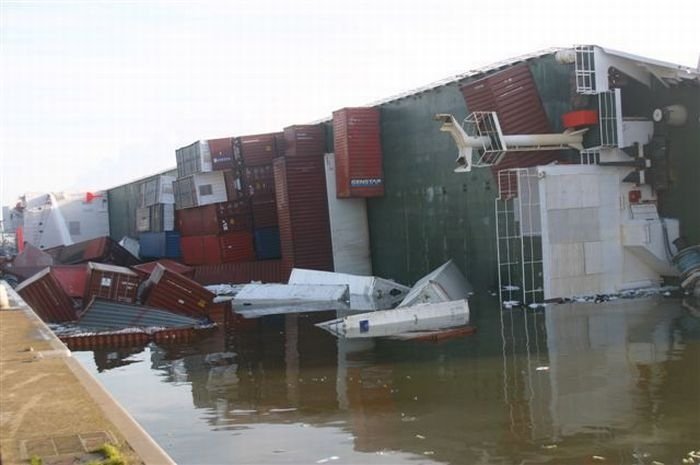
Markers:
302,210
43,292
103,250
123,202
103,315
143,219
256,150
349,227
267,243
194,158
235,190
160,244
265,271
215,219
264,210
155,190
305,141
200,189
162,217
358,152
111,282
237,247
221,151
72,279
259,180
201,250
172,291
145,269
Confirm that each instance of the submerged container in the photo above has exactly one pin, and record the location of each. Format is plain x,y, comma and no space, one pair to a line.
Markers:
194,158
160,244
302,207
237,247
48,299
305,140
145,269
103,250
201,250
257,149
72,279
267,243
221,152
358,152
111,282
167,290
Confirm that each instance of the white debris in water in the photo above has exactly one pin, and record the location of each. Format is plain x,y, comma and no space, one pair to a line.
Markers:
510,288
428,452
598,458
328,459
511,303
542,368
537,305
282,410
225,289
420,436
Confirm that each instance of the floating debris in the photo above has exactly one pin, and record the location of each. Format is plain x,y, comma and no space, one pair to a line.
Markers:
542,368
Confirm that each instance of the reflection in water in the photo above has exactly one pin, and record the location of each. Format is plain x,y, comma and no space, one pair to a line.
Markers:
619,380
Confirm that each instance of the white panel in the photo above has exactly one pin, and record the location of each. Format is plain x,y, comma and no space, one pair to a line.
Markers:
166,194
215,179
349,228
572,191
593,257
573,225
567,260
168,217
143,219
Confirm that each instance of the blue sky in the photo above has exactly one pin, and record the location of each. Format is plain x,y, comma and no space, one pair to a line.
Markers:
96,93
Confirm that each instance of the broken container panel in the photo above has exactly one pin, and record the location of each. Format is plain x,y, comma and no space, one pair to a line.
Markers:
444,284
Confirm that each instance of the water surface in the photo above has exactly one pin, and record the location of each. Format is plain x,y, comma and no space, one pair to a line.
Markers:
615,382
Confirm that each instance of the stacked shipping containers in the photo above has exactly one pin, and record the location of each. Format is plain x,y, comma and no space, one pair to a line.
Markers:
155,218
302,206
213,212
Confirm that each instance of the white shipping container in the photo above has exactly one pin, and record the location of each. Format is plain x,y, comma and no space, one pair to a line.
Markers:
349,228
156,190
195,158
210,188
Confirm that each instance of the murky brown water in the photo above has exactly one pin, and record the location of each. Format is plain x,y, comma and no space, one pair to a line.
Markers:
617,382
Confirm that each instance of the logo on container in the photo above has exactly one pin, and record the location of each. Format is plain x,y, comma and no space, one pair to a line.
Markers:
366,182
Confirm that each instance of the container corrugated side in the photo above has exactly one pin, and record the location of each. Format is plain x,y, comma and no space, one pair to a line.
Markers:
265,271
267,243
305,140
145,269
194,158
257,149
72,279
111,282
303,213
47,298
358,152
237,247
200,250
172,291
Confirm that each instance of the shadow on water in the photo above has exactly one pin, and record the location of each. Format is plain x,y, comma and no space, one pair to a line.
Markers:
616,382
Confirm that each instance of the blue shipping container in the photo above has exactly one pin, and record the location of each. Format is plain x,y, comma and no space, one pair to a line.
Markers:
160,245
267,243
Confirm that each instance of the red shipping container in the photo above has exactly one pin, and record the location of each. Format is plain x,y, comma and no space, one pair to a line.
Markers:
264,211
302,211
47,298
237,247
265,271
221,153
111,282
146,269
358,153
256,150
200,250
513,95
305,141
216,218
72,279
172,291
